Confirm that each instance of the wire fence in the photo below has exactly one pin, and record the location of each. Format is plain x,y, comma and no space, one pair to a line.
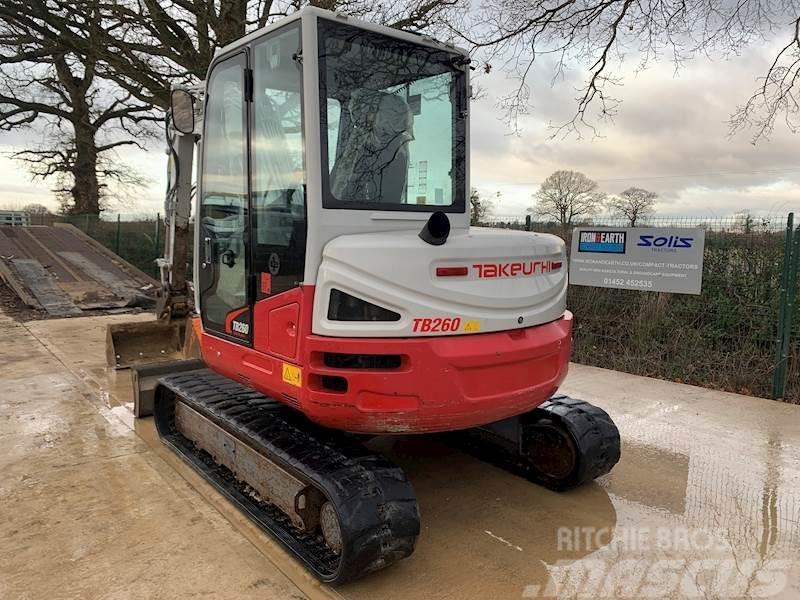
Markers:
731,224
140,240
727,337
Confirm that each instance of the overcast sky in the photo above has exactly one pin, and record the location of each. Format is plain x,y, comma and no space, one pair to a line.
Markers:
670,136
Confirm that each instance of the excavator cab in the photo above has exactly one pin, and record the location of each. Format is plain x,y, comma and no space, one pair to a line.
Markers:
324,126
340,290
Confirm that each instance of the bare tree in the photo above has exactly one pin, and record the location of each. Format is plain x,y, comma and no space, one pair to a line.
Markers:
746,222
150,45
778,93
47,84
634,204
36,209
566,196
479,207
598,36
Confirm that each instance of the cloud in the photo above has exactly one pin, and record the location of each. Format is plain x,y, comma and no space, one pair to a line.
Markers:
670,135
17,188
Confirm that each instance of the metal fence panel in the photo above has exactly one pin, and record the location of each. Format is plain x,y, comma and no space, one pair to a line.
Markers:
727,337
139,241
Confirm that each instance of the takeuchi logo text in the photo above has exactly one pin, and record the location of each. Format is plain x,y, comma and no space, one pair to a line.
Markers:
516,269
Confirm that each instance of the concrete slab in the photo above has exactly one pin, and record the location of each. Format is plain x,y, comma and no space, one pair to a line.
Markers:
85,508
704,504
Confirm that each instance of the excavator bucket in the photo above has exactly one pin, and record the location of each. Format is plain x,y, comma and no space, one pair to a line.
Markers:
132,344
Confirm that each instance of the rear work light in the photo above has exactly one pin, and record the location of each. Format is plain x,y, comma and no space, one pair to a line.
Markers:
344,307
451,271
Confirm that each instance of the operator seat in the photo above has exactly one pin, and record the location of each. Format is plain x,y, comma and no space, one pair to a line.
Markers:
372,165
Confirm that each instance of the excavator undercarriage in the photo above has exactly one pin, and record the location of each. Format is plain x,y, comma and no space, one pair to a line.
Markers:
340,508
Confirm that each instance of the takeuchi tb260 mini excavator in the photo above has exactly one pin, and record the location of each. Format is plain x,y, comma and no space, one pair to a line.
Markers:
342,293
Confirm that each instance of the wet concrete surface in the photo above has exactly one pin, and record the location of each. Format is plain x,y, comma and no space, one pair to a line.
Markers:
704,503
87,508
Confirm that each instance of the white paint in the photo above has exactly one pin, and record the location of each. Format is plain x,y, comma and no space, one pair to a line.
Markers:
503,540
397,270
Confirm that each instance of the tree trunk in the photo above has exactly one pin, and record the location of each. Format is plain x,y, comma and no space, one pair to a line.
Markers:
86,189
83,168
231,21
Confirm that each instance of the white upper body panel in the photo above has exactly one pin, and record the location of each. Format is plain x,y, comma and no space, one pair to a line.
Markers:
514,279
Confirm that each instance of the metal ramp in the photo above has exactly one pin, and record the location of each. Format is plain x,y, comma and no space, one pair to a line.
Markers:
44,288
64,272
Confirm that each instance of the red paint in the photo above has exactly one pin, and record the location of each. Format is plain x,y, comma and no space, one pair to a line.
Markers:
283,330
436,324
266,283
443,383
516,269
279,319
451,271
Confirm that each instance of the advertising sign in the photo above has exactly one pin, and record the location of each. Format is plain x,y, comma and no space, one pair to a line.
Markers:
655,259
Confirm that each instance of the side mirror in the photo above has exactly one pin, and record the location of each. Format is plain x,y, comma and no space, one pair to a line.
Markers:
182,108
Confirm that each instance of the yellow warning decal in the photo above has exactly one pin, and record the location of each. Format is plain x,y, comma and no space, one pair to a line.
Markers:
472,326
292,375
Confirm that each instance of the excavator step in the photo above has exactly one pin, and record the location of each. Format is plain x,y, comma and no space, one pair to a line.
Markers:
341,509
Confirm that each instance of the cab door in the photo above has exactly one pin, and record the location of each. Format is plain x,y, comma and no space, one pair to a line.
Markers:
223,252
278,201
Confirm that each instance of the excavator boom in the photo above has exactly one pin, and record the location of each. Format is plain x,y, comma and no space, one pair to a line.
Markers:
142,343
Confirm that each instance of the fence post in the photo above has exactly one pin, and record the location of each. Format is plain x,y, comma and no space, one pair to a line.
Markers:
116,241
791,299
156,253
527,222
785,308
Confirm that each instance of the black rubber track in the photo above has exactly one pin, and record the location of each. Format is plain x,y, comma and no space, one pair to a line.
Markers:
594,434
374,501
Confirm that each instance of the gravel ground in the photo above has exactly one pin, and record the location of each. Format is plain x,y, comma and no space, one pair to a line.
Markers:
12,306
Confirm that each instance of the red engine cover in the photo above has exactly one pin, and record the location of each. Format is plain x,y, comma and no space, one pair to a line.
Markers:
393,385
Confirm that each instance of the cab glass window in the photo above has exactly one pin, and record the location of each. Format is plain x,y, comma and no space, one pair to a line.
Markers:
278,178
392,112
